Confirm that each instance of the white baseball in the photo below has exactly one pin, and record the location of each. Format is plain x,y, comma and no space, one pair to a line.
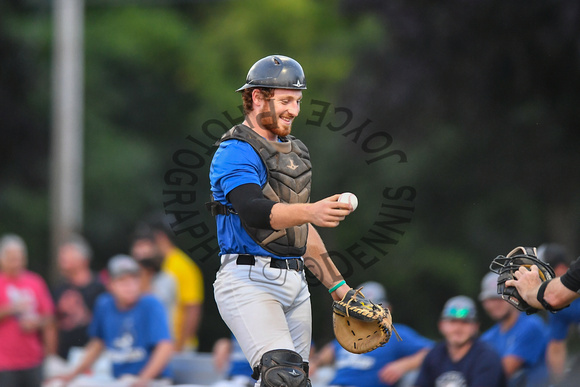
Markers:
348,197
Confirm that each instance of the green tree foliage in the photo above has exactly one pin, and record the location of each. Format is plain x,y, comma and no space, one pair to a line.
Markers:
484,94
454,124
153,74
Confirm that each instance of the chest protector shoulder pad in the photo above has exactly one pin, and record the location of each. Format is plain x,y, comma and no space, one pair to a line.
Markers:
289,180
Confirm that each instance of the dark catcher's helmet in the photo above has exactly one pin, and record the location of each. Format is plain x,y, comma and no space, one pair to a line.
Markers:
276,72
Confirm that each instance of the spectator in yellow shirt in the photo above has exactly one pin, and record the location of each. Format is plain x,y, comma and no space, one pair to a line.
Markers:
190,292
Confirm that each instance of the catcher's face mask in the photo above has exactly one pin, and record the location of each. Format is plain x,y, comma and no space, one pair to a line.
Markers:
506,266
502,264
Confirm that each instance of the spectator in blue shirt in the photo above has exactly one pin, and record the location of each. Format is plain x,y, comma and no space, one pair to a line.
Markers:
519,339
384,366
559,323
131,326
462,359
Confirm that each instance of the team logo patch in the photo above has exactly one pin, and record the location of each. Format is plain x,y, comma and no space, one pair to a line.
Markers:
298,84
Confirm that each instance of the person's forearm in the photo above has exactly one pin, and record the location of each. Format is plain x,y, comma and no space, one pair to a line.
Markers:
50,336
191,319
320,264
511,364
392,372
6,311
92,351
327,212
158,361
414,361
289,215
556,295
528,284
559,296
195,320
530,296
324,357
556,358
221,351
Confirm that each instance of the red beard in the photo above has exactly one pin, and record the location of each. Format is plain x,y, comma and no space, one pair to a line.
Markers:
266,123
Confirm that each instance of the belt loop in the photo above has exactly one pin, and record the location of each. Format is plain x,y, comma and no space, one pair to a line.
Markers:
287,265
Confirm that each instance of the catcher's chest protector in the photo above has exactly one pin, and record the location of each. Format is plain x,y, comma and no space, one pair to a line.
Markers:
289,180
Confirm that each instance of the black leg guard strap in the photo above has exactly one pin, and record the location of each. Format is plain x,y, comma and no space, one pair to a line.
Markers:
282,368
256,373
306,368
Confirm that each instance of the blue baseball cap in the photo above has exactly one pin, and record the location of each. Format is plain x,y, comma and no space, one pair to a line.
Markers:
459,308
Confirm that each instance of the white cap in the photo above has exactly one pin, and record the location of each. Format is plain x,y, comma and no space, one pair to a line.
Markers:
375,292
121,264
489,287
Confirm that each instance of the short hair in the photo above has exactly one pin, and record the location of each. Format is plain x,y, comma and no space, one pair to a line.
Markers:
8,240
143,232
80,244
267,93
161,223
553,254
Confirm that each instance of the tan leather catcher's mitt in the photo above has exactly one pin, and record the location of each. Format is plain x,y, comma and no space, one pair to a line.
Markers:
359,324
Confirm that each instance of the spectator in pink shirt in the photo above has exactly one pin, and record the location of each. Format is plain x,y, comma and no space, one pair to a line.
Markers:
26,317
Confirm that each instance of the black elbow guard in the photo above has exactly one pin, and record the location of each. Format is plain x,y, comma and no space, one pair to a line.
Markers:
571,279
251,205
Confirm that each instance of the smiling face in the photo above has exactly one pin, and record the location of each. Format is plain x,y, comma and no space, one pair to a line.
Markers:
497,309
71,259
126,289
457,332
13,259
277,113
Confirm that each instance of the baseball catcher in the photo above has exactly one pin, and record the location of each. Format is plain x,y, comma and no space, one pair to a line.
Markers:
261,177
506,266
359,324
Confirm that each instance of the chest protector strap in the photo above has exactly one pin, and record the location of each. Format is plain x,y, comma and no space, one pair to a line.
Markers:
289,180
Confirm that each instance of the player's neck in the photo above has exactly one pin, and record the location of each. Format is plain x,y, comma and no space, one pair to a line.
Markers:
146,279
125,305
13,274
507,323
80,277
456,353
250,122
164,245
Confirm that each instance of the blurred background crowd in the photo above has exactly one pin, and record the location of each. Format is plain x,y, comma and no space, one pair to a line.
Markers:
136,323
478,98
